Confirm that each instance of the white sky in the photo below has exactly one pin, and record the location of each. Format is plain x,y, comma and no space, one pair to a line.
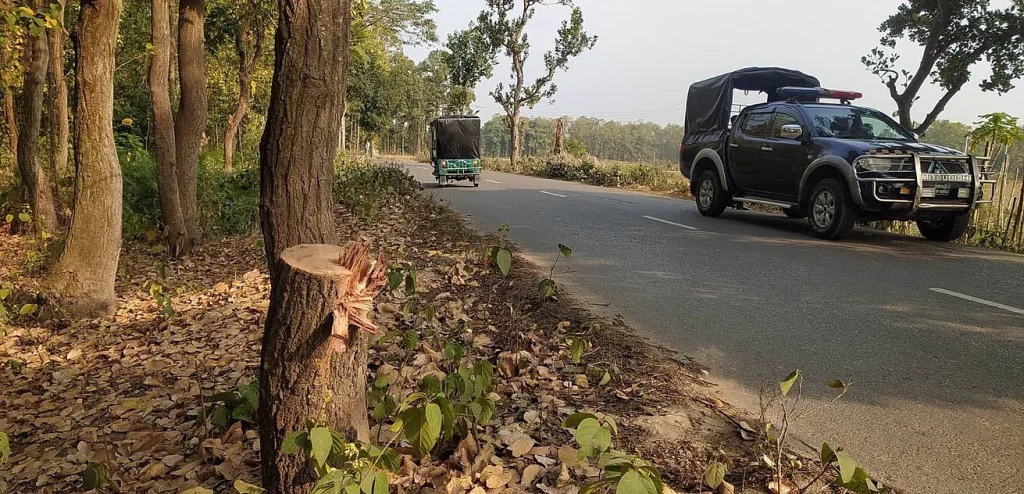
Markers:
650,51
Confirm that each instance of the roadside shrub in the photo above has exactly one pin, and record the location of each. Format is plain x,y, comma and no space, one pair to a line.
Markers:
366,189
141,202
228,201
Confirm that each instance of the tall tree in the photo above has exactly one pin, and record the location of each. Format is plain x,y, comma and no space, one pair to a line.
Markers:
59,128
37,182
190,121
85,273
250,27
954,35
505,30
470,59
301,376
171,212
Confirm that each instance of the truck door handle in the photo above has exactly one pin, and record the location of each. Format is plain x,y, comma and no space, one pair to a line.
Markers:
733,145
766,149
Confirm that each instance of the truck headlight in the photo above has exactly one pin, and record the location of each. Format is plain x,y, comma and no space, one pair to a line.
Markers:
880,164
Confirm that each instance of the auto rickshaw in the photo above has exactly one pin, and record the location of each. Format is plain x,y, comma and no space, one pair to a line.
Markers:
455,149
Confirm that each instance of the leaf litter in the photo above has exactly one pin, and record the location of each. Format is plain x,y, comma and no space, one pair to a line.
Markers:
122,397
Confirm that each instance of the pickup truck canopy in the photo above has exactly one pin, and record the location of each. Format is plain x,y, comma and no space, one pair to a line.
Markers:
457,137
709,102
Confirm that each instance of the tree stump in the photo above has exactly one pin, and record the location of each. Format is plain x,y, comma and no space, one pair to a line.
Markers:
314,356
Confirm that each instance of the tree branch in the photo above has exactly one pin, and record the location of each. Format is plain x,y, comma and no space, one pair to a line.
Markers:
939,106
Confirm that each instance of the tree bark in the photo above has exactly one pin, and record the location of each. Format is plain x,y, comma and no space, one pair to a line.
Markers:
300,140
171,211
60,130
559,137
191,119
247,61
85,273
38,184
299,378
12,123
308,370
516,140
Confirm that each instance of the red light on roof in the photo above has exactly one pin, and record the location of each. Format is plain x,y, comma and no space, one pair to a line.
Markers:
839,94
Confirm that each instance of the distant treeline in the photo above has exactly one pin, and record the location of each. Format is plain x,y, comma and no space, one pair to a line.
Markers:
604,139
646,141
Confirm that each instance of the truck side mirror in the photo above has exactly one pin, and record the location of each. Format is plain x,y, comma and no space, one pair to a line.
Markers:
791,131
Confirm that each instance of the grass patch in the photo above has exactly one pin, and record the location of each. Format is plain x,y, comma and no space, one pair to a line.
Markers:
589,170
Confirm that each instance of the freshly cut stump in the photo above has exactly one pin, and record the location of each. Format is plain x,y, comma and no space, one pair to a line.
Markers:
313,361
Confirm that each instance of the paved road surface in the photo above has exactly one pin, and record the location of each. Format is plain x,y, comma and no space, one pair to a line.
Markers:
931,335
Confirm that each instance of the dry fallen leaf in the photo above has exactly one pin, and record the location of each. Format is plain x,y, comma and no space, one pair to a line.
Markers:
521,446
530,473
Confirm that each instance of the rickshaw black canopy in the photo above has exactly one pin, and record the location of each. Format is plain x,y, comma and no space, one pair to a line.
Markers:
456,137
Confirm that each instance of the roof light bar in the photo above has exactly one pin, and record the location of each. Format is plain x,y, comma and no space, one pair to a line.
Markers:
818,92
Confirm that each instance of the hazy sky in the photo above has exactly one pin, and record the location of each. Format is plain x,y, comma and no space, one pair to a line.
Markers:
650,51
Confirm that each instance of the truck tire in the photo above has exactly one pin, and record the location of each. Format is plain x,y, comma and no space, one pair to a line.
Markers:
711,199
946,229
830,212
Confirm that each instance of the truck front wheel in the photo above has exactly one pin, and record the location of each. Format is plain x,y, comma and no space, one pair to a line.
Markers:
711,199
945,229
831,213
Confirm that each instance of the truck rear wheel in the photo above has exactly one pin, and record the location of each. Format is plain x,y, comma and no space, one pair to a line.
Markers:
711,199
946,229
831,213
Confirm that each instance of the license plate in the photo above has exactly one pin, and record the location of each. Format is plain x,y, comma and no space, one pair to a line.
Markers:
946,177
942,190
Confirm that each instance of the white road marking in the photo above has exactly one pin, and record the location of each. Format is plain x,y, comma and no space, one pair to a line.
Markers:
551,194
492,181
667,222
979,300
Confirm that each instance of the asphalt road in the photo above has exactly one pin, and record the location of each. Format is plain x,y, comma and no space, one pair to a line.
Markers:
931,335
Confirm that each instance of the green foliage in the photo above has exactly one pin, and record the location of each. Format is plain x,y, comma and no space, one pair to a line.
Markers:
714,474
500,255
366,190
850,476
787,382
227,201
400,275
95,475
342,466
5,448
589,170
506,33
547,286
448,408
954,35
620,472
234,406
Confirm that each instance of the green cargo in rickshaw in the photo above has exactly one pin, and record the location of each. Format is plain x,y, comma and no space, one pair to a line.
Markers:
455,149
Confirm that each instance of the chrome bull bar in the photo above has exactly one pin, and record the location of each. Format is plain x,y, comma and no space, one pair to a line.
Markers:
980,176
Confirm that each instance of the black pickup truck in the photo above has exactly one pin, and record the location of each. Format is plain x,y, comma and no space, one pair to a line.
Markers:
831,162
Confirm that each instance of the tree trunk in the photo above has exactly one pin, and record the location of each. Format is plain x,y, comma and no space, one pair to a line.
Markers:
37,182
246,66
312,358
297,154
516,139
178,239
85,273
559,137
60,131
12,124
191,119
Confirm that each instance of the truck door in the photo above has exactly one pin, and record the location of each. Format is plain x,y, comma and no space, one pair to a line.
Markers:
746,156
785,157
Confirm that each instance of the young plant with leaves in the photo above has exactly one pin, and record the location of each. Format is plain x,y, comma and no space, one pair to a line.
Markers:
500,254
548,287
236,405
342,466
621,472
449,408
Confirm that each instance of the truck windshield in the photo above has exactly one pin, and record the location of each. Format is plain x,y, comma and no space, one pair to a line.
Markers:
847,122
